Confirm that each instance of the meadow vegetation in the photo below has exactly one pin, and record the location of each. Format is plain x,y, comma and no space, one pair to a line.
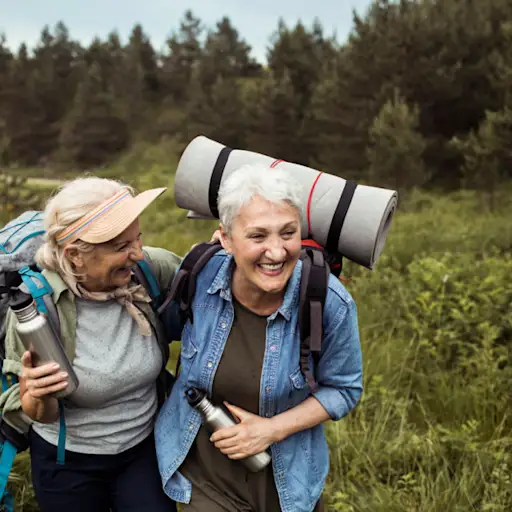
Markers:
432,430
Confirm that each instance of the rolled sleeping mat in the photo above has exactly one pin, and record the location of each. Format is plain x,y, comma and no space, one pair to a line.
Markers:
344,217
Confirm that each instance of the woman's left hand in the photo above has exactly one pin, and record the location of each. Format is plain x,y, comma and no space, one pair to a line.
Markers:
252,435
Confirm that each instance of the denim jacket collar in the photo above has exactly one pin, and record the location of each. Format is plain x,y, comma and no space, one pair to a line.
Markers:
222,284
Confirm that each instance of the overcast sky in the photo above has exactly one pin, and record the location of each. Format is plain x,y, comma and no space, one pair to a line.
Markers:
22,20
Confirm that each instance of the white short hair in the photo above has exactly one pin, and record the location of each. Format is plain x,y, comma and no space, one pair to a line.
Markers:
72,201
273,184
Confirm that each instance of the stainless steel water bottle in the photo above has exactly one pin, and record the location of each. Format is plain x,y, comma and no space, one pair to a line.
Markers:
38,337
217,417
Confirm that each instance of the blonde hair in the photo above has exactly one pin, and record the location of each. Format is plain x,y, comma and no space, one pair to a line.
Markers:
71,202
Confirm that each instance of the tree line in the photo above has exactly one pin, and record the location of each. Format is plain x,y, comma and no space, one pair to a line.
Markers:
419,94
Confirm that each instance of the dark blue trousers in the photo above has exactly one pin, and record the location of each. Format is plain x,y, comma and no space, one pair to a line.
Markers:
127,482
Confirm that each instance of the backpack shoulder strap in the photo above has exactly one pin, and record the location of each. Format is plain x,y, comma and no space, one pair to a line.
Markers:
9,452
183,286
145,276
40,289
313,290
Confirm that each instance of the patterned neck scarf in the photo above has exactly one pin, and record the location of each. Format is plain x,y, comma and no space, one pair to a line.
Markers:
126,296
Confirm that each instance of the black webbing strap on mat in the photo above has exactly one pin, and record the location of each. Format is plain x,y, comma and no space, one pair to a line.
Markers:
313,289
339,216
216,177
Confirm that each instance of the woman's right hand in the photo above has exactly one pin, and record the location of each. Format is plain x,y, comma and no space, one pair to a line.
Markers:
36,387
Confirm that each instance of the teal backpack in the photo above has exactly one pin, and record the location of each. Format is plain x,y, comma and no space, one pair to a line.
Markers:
19,241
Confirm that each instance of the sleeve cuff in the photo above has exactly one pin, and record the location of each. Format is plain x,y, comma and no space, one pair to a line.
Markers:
332,401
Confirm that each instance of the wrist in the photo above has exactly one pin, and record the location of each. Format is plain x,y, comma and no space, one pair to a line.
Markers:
277,429
39,409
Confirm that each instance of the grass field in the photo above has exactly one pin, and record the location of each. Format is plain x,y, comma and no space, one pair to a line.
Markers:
432,432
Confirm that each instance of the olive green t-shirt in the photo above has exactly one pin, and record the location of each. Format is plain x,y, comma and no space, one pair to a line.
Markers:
215,478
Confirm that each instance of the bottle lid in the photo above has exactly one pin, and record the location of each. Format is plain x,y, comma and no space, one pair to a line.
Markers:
20,300
194,396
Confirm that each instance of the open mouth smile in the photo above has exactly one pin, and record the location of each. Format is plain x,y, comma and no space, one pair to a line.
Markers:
271,268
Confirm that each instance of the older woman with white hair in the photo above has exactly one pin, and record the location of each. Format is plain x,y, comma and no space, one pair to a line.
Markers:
243,350
117,348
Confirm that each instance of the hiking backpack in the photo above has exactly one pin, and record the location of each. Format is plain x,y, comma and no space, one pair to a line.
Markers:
317,264
19,241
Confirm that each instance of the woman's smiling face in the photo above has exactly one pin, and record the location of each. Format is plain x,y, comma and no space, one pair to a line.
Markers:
265,241
109,265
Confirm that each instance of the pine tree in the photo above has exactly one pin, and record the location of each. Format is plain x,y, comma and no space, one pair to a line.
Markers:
301,54
141,68
272,120
229,122
225,55
322,127
396,147
23,115
5,58
95,130
5,65
183,57
54,80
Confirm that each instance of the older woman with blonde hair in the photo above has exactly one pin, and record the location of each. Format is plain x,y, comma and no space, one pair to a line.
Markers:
117,349
243,349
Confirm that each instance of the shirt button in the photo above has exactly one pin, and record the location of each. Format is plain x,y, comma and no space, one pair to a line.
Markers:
273,348
191,426
223,325
267,389
210,364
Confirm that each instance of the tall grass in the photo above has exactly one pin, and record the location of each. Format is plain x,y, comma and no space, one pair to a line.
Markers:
432,431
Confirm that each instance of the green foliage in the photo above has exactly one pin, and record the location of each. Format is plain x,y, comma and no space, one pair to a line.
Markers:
432,430
16,197
218,114
184,52
315,102
4,142
272,118
396,147
95,129
301,55
488,150
225,55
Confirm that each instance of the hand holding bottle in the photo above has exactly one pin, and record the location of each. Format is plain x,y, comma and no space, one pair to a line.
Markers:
42,380
37,385
252,435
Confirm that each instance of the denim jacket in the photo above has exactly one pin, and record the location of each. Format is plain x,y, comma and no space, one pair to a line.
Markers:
301,461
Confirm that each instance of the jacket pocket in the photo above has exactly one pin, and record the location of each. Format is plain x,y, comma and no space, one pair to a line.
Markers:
188,355
299,389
